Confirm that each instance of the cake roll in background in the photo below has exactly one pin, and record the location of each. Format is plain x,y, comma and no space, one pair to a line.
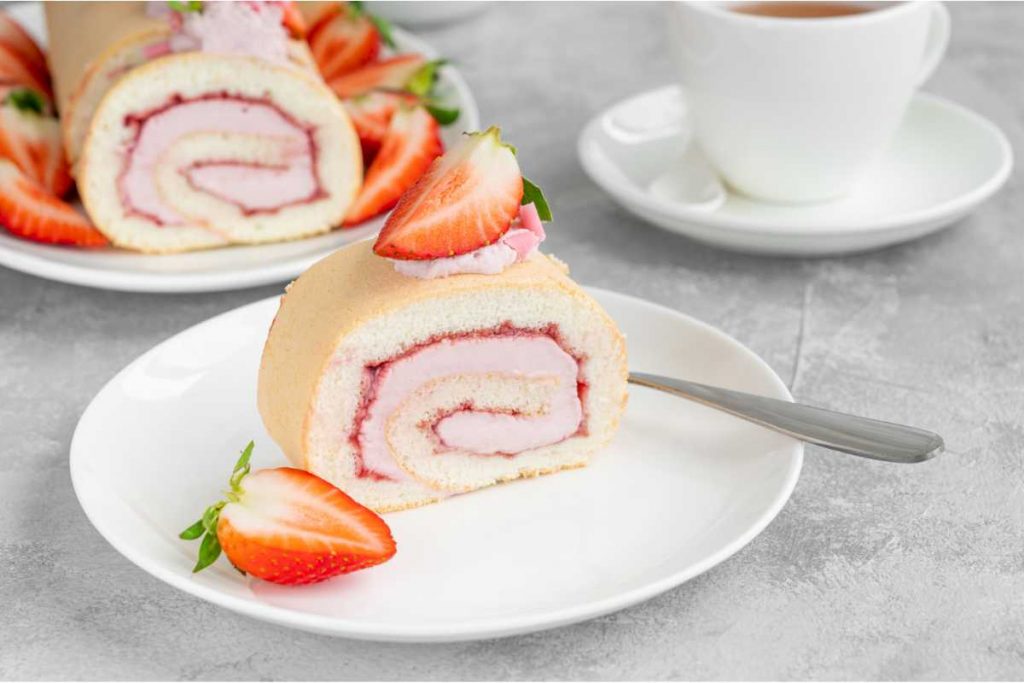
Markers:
193,130
93,44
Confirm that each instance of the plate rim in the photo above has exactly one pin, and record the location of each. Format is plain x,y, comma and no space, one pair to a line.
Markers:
462,631
187,282
630,199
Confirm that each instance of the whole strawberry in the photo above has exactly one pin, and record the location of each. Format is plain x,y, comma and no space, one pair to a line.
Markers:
288,526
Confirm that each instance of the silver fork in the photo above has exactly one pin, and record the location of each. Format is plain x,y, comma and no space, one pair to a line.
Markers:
861,436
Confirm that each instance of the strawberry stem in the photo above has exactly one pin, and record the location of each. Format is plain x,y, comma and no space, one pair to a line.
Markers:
209,548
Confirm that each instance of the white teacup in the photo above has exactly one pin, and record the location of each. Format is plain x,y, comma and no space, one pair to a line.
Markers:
796,109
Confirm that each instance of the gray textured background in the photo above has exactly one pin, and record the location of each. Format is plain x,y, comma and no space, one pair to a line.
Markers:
871,571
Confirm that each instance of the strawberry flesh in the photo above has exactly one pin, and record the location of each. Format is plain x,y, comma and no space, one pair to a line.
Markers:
371,113
14,71
387,74
293,20
20,45
466,200
343,44
412,142
292,527
33,142
28,210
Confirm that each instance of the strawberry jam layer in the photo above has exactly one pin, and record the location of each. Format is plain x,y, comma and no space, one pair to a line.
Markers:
506,351
264,160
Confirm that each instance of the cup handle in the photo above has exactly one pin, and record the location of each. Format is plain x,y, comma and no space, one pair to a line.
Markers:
938,40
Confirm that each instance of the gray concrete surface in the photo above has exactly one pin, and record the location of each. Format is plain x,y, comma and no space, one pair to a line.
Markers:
871,571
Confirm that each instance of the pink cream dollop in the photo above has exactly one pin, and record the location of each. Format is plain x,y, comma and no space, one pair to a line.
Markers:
254,188
248,28
483,432
516,245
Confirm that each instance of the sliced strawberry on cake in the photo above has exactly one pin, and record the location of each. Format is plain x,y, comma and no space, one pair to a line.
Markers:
466,200
411,143
28,210
290,527
32,140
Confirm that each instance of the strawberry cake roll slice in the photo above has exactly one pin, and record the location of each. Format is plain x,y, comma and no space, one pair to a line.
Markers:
449,356
224,135
93,44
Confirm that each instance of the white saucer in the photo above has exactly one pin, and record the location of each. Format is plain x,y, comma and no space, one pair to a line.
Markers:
944,161
680,489
216,269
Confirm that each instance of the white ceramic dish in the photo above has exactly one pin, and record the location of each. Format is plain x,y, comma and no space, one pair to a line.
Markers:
681,489
216,269
944,161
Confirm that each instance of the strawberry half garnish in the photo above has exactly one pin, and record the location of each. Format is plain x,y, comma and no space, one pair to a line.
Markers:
19,44
345,42
394,73
32,140
412,142
288,526
28,210
466,200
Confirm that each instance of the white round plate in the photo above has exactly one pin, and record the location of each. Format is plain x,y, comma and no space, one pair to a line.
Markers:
943,162
680,489
214,269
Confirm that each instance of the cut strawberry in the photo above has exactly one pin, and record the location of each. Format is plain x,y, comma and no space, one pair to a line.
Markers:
32,140
293,20
412,142
371,113
21,44
466,200
387,74
315,15
14,71
289,526
346,42
29,211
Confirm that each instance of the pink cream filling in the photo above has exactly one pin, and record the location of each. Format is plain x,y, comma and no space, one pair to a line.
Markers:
517,354
253,188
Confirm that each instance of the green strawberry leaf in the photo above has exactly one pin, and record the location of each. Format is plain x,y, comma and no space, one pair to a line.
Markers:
193,532
26,99
422,82
185,6
384,29
443,115
209,548
209,551
243,459
212,516
533,195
